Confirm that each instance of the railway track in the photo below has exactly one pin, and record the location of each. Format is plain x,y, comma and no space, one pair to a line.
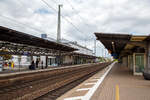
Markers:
49,84
53,95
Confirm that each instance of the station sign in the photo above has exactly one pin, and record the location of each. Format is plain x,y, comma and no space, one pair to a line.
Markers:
26,53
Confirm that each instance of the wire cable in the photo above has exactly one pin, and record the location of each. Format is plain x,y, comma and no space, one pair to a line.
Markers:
62,16
73,8
13,20
21,3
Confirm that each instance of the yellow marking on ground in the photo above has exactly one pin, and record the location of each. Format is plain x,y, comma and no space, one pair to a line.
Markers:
117,92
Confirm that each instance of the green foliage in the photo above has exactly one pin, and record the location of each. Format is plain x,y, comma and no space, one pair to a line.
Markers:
102,59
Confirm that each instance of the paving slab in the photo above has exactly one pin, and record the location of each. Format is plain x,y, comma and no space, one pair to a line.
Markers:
83,89
120,84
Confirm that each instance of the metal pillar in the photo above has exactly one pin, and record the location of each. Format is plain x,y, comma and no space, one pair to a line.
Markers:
59,58
95,47
46,62
19,59
147,50
59,24
102,52
31,58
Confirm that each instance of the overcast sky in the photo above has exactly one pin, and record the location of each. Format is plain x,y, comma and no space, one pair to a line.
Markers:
87,16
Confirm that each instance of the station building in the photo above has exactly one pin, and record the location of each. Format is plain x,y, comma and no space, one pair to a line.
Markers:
130,50
80,56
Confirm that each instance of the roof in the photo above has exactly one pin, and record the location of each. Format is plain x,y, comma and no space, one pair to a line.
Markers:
80,54
117,42
76,44
14,36
108,39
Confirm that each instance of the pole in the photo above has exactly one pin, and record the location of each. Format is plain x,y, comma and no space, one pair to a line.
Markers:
19,62
102,52
59,31
95,47
46,62
105,53
59,24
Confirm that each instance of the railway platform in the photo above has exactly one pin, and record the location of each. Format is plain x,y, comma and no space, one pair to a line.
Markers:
115,84
10,72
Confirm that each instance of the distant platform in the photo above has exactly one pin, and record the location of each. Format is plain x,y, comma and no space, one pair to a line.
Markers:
8,72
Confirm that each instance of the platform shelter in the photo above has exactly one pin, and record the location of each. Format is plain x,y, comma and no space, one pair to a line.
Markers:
130,50
13,42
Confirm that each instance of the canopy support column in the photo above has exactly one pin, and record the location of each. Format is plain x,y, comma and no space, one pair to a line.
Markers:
147,50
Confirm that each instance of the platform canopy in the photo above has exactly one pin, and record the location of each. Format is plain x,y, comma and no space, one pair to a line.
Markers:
13,38
80,55
121,44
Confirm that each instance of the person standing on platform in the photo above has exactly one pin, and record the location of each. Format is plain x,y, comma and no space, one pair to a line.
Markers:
42,64
32,66
37,62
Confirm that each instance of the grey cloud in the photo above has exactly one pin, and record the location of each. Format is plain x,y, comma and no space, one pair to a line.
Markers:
127,16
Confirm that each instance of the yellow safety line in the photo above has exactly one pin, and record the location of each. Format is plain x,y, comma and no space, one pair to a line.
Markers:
117,92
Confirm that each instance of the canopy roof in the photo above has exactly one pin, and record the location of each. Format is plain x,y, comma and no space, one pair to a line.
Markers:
13,36
118,43
110,39
79,54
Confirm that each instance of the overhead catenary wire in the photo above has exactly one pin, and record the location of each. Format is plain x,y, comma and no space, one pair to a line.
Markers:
25,25
15,21
48,5
79,16
21,3
62,16
55,2
73,8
